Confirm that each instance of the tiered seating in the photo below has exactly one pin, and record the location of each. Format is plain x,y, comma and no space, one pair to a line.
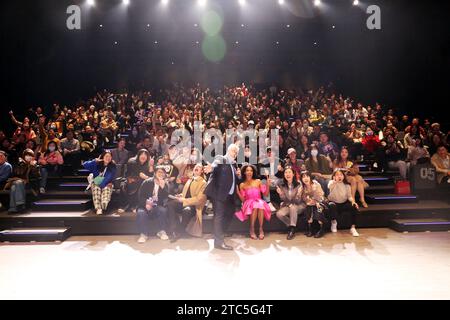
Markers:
66,205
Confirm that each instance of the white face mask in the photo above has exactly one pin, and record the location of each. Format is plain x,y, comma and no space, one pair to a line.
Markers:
51,149
28,158
314,153
194,159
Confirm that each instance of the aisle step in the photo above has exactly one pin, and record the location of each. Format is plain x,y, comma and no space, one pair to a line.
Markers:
73,186
391,198
62,205
35,234
420,225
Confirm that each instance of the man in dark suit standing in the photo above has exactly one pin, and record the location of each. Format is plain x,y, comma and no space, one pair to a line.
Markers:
221,189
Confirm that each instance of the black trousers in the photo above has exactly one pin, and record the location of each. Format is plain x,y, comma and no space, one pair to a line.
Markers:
175,209
73,160
223,213
337,209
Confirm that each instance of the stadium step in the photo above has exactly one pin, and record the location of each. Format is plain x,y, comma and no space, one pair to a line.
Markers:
379,180
35,234
73,186
419,225
58,194
381,189
391,198
83,173
62,205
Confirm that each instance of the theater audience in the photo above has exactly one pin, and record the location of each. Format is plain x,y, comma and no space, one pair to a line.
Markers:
152,204
290,192
253,205
441,161
320,167
25,175
139,169
341,201
313,197
353,177
395,156
189,204
50,163
103,172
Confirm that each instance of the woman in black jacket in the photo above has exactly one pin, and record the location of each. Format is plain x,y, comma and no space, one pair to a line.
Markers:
138,170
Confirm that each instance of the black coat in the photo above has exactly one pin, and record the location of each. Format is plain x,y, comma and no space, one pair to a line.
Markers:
146,192
221,180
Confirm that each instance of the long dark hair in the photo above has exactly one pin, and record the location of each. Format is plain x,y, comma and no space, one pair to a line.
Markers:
339,157
306,173
295,182
47,152
101,165
140,152
244,168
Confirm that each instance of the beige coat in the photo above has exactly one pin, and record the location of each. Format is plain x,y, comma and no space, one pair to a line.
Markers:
441,170
197,200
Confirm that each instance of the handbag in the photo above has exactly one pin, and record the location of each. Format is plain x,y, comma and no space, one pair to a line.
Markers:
402,187
98,180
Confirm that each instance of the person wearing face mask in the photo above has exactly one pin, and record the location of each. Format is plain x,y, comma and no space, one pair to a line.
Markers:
50,164
25,175
320,167
189,204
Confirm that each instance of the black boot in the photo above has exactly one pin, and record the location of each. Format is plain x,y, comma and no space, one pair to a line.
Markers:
319,233
309,233
291,233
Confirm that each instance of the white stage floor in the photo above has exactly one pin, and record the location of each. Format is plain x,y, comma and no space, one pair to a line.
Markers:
381,264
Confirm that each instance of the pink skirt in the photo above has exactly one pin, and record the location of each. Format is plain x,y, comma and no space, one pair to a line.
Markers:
252,204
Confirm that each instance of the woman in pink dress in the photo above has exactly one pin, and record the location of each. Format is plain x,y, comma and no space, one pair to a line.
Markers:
253,205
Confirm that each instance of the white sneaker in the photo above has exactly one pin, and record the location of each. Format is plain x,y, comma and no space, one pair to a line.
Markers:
42,190
334,226
162,235
142,238
121,211
354,232
99,212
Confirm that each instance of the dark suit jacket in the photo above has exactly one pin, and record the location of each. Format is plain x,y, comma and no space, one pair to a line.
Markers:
146,191
221,180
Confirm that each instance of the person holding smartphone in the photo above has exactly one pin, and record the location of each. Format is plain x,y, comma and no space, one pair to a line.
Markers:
152,203
341,200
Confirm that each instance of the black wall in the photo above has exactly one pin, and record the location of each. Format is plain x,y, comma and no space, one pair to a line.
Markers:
404,65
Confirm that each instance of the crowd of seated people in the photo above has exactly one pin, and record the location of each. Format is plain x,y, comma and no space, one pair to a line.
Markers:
322,138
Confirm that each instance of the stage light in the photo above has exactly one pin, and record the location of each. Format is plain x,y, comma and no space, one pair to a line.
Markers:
355,3
201,3
280,2
165,2
91,2
317,3
242,25
334,27
242,2
148,25
288,26
126,2
101,26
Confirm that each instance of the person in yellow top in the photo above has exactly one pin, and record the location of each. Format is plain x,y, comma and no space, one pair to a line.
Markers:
351,170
